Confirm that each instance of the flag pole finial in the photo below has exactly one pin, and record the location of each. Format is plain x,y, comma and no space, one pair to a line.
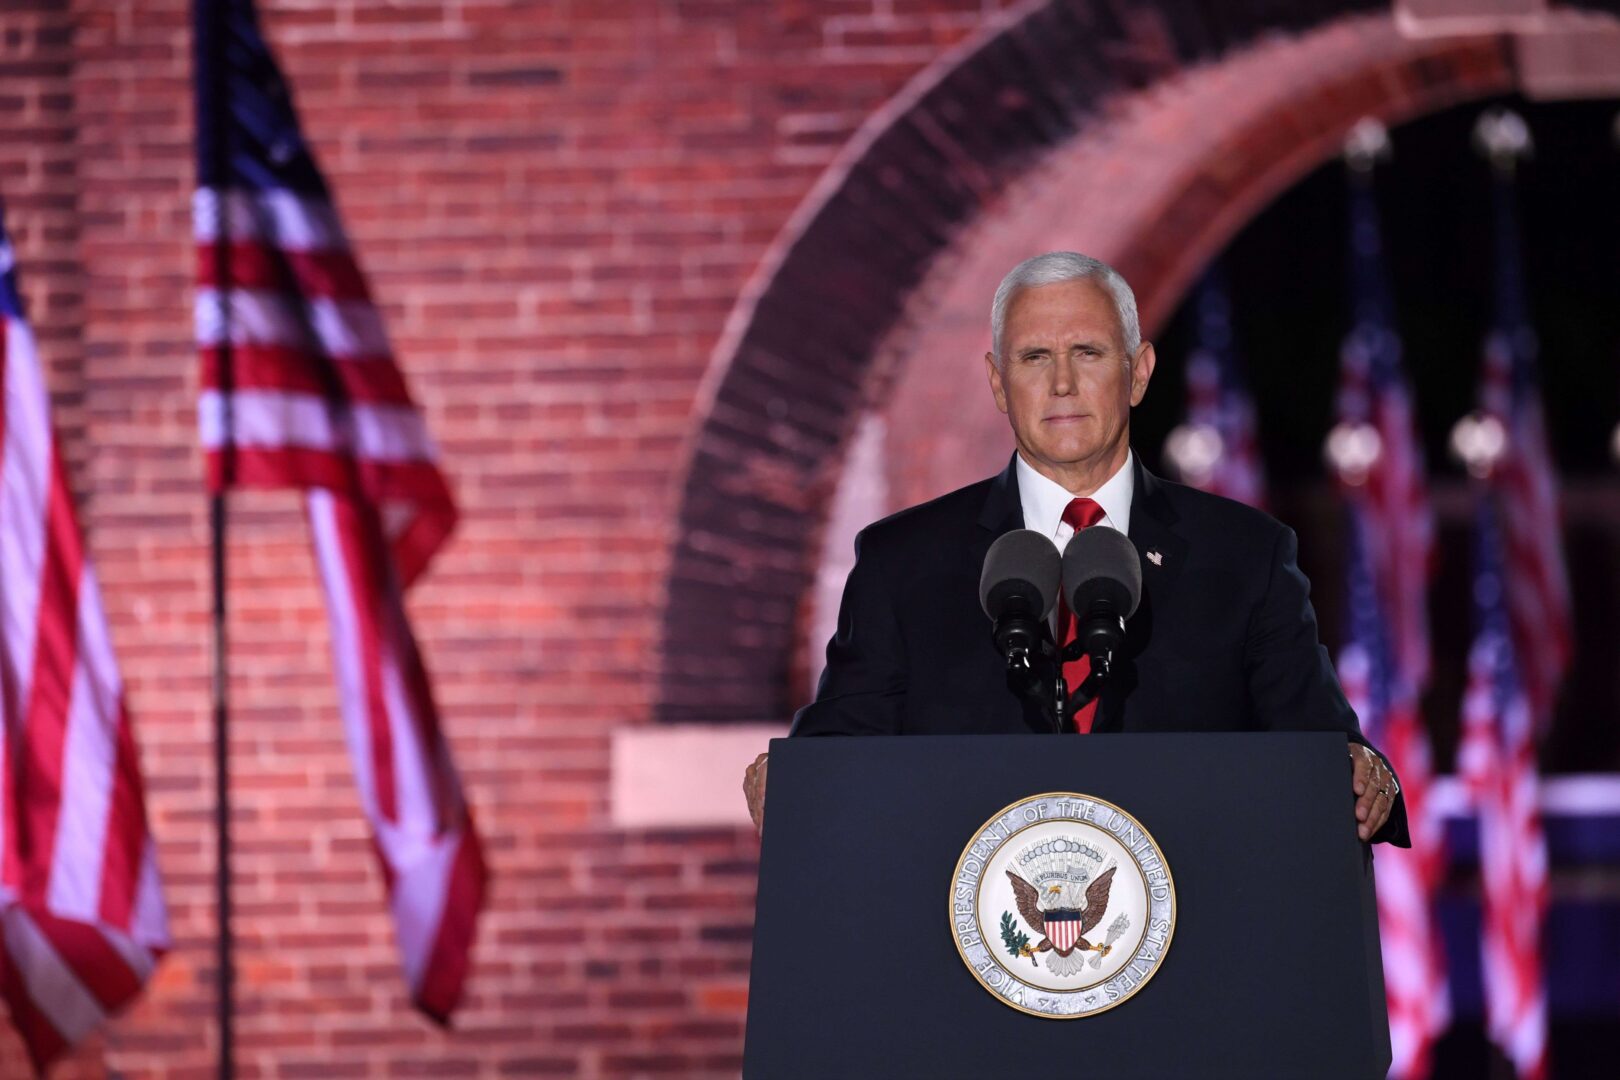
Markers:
1351,450
1503,138
1194,450
1367,145
1479,441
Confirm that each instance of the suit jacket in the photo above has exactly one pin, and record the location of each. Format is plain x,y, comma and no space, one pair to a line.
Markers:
1224,639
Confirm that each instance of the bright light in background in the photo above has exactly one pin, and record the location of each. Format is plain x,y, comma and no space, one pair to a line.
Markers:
1351,450
1478,441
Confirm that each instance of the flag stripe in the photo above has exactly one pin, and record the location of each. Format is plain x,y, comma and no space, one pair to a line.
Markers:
97,966
273,467
149,920
288,369
349,586
268,418
10,700
89,780
125,842
75,883
43,1042
330,273
55,655
48,980
277,217
346,330
24,488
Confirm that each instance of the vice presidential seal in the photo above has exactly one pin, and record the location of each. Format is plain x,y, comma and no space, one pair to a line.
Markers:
1062,905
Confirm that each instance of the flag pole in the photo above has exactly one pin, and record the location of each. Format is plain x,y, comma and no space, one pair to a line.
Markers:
213,111
222,794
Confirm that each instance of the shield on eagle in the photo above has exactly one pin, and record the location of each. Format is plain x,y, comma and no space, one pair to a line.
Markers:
1063,929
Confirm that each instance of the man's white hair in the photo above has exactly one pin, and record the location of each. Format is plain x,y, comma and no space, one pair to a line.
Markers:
1059,266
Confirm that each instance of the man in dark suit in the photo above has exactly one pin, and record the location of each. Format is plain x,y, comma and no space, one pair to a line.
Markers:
1225,637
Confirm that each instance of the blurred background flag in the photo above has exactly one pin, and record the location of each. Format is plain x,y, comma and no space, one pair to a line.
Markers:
300,390
1374,446
1522,637
1497,760
1216,449
1374,454
81,908
1525,476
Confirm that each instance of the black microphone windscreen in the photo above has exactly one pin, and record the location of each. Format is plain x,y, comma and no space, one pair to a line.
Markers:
1021,557
1100,554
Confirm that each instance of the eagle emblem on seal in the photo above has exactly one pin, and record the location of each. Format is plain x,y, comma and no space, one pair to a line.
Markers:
1064,905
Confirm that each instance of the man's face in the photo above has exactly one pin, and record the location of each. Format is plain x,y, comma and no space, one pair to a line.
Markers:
1065,380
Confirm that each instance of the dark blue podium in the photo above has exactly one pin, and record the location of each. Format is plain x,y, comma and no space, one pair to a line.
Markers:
1274,969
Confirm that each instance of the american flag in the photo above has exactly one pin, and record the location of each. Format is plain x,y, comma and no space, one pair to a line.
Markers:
82,921
1218,401
1538,599
1497,760
1374,397
1385,659
301,390
1387,705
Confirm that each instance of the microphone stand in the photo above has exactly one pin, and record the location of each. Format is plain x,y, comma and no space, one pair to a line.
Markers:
1034,676
1102,665
1037,675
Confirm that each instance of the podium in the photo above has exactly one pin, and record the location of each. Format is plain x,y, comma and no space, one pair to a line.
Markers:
1274,968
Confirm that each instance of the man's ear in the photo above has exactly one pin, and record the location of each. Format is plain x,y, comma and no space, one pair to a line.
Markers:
996,389
1141,371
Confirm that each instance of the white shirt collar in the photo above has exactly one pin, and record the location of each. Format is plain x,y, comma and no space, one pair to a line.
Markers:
1045,500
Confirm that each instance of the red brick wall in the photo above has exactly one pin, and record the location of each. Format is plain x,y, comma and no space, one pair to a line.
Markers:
558,204
38,167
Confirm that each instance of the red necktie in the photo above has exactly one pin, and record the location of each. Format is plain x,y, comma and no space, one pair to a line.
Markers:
1079,514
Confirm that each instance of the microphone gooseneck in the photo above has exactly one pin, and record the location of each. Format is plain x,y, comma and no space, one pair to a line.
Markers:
1102,581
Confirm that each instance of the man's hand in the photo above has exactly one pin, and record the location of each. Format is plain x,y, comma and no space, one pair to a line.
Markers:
754,789
1373,784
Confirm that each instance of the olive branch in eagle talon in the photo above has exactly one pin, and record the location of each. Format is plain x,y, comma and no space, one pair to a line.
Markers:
1017,943
1092,909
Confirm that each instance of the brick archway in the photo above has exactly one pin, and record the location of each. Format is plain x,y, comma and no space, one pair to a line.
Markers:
1141,133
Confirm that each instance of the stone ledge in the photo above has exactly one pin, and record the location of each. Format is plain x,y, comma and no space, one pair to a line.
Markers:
683,776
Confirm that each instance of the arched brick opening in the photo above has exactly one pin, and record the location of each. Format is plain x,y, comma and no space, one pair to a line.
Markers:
1146,134
1157,193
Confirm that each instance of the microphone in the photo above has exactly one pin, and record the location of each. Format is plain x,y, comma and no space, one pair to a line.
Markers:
1018,589
1102,580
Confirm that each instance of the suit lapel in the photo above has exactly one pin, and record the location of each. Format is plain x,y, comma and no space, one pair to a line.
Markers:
1003,512
1162,552
1161,549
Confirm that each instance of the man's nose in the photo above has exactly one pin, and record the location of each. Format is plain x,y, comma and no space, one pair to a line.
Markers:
1064,377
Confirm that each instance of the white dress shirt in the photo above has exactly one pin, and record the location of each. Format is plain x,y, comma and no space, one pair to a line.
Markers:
1045,500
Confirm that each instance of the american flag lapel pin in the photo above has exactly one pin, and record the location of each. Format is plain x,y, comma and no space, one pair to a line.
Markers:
1155,558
